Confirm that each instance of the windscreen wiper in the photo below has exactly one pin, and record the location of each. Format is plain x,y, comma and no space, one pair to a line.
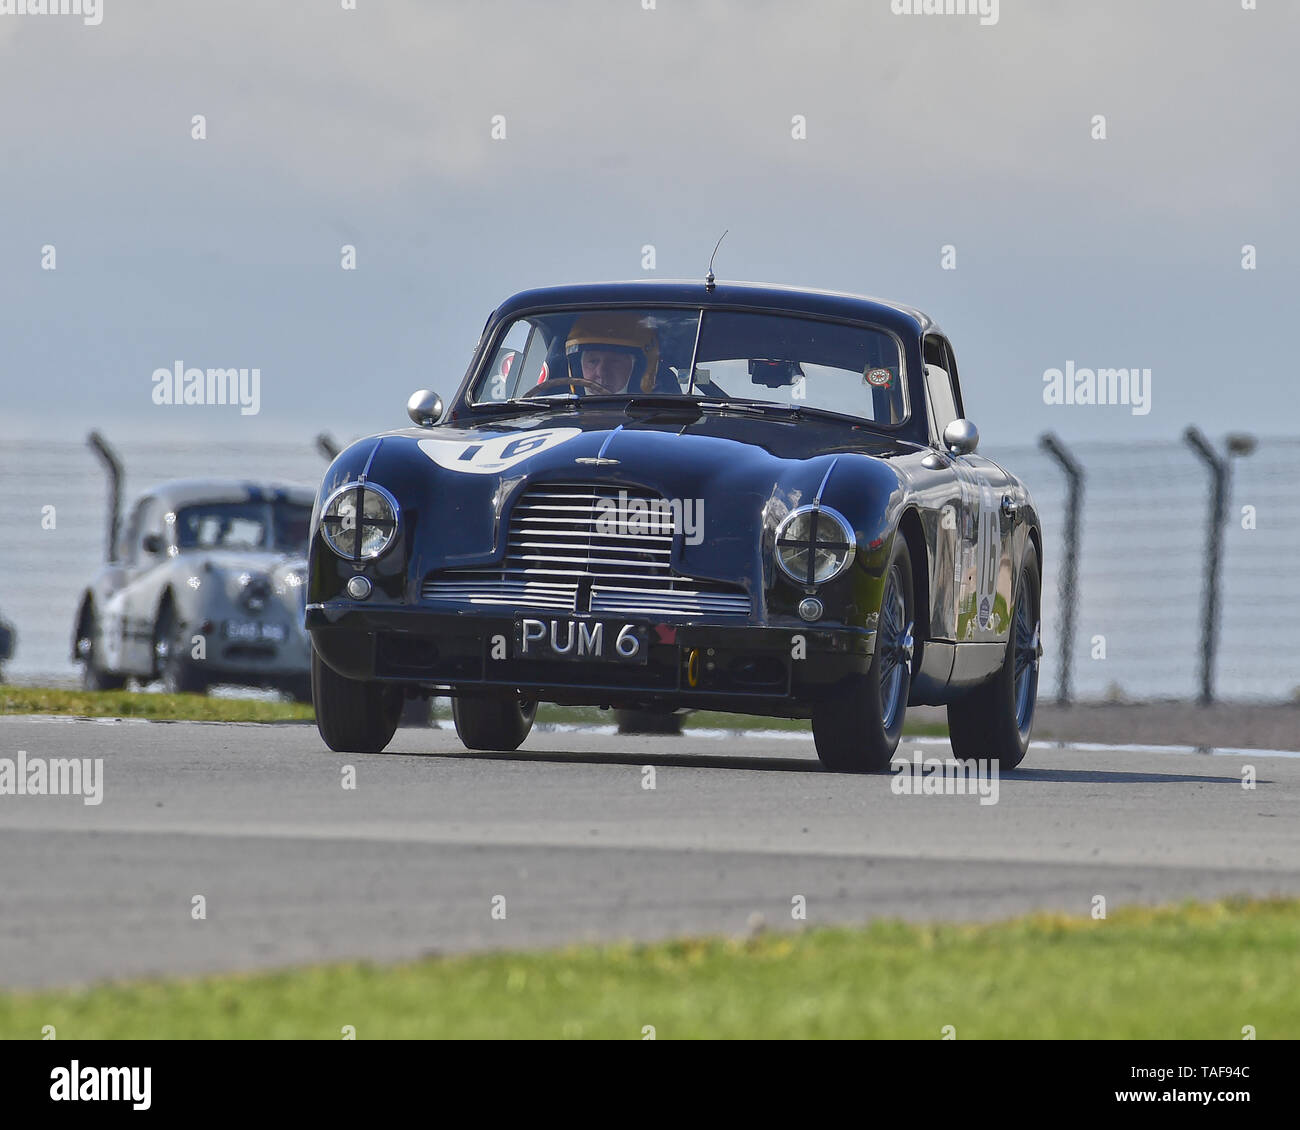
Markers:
755,407
526,404
663,400
789,411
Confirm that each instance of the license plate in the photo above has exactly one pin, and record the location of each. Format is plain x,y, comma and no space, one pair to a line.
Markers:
586,640
250,631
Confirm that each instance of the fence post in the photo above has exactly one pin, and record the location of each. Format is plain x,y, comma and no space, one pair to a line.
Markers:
327,446
101,447
1221,473
1069,569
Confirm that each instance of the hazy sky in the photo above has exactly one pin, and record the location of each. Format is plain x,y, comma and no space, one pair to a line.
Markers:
626,127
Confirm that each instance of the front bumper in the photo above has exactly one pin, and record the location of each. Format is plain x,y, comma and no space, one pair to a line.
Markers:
758,669
254,660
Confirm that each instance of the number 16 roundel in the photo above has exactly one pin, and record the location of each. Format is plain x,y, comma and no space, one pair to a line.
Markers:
496,454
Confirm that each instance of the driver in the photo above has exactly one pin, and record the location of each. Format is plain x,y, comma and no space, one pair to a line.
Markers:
615,352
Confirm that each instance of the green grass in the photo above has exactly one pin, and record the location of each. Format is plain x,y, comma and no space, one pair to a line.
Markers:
133,704
201,708
1196,971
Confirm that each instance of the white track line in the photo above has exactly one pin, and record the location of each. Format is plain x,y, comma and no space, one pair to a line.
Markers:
709,734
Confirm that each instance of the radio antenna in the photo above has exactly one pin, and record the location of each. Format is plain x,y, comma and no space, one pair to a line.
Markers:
708,279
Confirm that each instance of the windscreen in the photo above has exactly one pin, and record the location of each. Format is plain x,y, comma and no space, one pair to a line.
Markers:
281,526
852,369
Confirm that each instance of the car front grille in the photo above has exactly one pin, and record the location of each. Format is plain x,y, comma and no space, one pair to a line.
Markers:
563,556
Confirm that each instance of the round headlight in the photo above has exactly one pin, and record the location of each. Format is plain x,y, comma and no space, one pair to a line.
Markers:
814,545
359,521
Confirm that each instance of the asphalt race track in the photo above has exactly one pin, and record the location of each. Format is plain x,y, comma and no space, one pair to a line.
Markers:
294,868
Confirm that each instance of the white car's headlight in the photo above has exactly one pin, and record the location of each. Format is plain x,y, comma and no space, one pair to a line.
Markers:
359,521
291,583
253,590
814,545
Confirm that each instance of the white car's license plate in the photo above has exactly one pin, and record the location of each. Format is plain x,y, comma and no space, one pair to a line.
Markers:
587,640
251,631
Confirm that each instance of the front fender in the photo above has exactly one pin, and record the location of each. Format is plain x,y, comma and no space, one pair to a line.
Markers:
871,496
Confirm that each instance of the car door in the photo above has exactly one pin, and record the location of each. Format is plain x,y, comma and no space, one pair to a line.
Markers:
140,593
111,645
982,584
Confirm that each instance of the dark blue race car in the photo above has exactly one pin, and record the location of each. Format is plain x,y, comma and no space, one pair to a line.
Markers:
658,495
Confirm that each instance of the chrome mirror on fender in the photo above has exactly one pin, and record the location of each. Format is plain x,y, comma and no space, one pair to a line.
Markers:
424,407
961,437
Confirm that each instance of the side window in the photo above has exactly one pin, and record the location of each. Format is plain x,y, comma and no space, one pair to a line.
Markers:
956,380
149,516
504,373
533,370
130,538
518,364
939,390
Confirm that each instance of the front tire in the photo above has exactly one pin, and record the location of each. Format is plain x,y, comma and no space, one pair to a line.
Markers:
177,671
497,722
859,732
352,715
994,720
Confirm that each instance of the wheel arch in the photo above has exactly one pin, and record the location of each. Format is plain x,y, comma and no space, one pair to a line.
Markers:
166,601
1035,536
85,610
913,533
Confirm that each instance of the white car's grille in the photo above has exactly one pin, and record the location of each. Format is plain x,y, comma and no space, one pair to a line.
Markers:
570,549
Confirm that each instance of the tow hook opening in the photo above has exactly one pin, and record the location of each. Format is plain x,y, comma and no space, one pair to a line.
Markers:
693,667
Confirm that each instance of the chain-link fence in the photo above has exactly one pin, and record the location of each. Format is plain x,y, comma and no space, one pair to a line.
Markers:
1144,545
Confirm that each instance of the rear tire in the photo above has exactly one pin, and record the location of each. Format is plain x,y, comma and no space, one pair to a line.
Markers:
859,732
352,715
995,720
498,721
93,678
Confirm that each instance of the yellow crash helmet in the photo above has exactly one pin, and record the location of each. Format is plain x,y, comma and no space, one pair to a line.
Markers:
620,331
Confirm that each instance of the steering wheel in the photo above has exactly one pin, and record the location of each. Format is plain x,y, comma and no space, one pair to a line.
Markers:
539,388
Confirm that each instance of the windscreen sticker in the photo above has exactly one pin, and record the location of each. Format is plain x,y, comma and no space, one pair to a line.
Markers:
492,456
880,378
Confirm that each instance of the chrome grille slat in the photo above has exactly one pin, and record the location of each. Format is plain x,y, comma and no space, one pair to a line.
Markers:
604,547
553,588
534,495
520,569
537,571
599,547
685,607
623,593
583,560
547,531
555,542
